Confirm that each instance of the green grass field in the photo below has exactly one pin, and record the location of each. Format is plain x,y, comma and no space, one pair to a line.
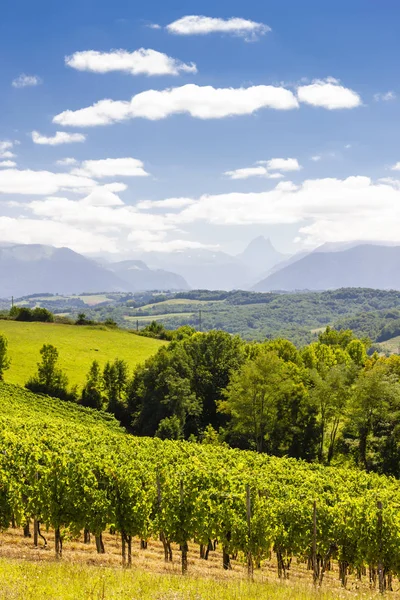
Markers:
158,317
392,345
78,347
177,301
24,580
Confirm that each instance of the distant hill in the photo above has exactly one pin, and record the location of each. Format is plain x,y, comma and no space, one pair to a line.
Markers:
139,277
364,265
32,268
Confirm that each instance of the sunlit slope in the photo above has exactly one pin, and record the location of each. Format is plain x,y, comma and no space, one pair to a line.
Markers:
78,346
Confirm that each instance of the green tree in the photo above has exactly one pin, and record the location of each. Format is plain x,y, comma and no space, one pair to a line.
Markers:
92,392
251,398
115,382
374,417
50,379
331,391
4,358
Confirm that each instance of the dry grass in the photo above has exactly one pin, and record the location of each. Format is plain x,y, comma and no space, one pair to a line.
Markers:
150,576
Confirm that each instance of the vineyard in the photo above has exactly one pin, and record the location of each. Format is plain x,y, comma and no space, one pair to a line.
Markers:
76,472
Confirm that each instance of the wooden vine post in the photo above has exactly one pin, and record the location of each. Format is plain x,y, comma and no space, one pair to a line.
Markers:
184,544
248,514
381,574
314,560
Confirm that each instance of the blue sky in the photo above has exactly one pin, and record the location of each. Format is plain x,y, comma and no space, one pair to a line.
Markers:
334,63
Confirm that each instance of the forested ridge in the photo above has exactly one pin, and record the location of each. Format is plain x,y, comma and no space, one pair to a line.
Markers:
252,315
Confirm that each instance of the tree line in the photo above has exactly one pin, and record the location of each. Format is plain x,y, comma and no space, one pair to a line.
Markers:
328,402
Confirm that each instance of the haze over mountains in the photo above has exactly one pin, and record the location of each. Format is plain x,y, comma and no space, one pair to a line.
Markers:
329,267
29,269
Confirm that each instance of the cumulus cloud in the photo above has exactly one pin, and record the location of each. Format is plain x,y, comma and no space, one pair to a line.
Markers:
26,81
384,97
115,187
6,164
66,162
29,182
140,62
396,167
316,157
5,149
283,164
201,25
325,209
248,172
201,102
112,167
171,245
168,203
60,137
105,216
328,93
53,233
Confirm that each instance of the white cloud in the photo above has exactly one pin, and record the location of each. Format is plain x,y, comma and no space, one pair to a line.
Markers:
316,157
139,62
329,94
384,97
248,172
101,196
6,164
325,209
53,233
61,137
66,162
283,164
171,245
154,26
112,167
116,187
245,173
202,102
200,25
26,81
5,149
28,182
396,167
171,203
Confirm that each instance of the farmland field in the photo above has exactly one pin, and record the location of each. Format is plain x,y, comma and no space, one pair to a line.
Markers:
78,347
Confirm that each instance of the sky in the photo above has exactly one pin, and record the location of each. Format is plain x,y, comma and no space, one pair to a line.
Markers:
127,128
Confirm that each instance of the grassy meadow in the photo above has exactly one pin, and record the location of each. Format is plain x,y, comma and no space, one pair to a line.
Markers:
28,573
65,581
78,346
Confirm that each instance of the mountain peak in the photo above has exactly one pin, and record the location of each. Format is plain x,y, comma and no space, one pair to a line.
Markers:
260,255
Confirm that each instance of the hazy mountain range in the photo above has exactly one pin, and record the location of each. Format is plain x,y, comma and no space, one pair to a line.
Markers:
29,269
332,267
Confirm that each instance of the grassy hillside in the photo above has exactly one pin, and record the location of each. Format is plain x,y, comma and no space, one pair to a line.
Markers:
78,347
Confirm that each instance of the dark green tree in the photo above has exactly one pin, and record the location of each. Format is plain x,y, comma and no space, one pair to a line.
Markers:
92,392
50,379
114,382
4,358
